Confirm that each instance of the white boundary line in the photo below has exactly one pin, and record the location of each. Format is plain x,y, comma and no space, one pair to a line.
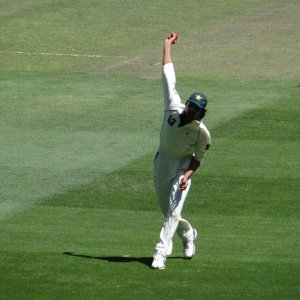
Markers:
127,61
59,54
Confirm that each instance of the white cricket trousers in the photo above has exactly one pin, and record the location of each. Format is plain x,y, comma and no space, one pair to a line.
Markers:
167,176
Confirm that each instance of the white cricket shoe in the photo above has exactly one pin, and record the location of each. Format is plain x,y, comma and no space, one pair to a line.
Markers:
189,248
158,262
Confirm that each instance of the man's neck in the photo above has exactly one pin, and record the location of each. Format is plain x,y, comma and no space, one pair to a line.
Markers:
183,120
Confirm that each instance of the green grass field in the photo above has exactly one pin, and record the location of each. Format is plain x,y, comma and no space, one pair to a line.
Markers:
81,109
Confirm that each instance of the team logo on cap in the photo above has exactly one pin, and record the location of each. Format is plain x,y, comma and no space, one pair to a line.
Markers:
198,97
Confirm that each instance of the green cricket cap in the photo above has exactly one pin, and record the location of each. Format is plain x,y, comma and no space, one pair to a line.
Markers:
199,99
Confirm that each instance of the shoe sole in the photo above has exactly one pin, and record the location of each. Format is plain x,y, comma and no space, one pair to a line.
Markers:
153,268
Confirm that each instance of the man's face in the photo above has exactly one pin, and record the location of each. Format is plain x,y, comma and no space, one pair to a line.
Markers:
191,112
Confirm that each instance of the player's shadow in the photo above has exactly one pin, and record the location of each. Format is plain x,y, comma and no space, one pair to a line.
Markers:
115,259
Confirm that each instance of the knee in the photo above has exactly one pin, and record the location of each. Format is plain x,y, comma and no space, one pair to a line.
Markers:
175,216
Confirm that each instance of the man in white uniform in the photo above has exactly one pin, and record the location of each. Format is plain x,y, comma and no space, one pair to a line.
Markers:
184,140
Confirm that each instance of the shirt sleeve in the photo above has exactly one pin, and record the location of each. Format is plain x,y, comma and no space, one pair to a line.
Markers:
171,98
203,143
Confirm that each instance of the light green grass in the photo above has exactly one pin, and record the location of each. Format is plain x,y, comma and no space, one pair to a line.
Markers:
79,218
57,132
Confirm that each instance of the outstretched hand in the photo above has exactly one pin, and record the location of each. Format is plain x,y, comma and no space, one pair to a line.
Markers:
172,38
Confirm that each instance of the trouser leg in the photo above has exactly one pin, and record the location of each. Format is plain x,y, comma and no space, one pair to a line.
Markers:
184,229
173,216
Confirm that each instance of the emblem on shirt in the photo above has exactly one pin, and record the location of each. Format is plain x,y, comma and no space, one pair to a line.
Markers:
171,121
207,146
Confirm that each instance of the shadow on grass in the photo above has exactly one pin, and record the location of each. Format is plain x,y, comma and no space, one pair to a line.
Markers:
115,259
119,259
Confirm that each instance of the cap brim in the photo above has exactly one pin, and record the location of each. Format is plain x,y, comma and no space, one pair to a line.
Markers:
197,103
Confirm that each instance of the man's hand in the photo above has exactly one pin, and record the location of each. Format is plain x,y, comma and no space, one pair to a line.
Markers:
183,183
170,40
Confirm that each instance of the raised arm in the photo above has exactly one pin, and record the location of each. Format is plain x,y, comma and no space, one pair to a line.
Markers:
169,41
171,97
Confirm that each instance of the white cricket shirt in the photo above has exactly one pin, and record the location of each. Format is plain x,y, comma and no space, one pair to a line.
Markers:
191,140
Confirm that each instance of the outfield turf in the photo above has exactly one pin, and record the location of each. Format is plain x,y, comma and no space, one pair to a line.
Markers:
80,114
